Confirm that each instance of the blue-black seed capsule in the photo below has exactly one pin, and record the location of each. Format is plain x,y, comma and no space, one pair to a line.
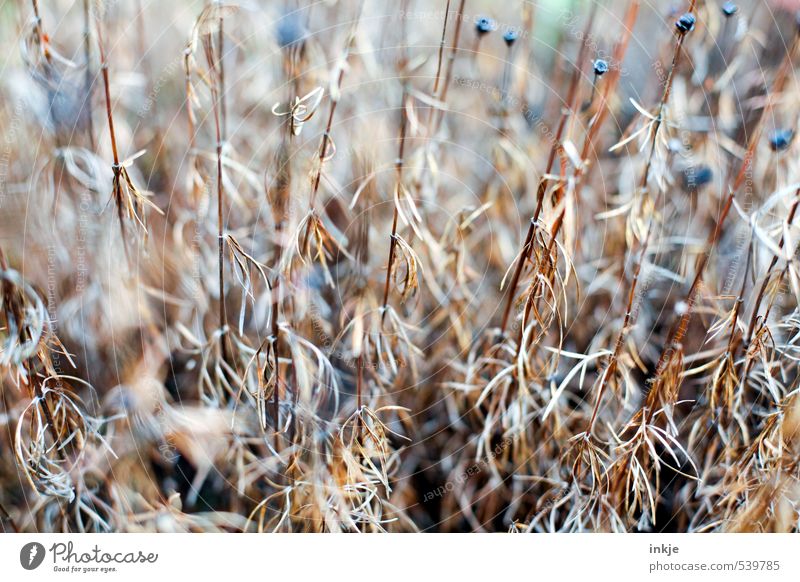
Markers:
729,9
781,139
484,25
600,67
686,23
290,31
696,177
510,37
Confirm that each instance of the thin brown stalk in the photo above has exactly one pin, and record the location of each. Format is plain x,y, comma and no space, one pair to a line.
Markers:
441,49
116,167
191,119
215,106
439,60
768,275
359,392
398,185
39,31
221,64
748,336
451,58
326,136
88,82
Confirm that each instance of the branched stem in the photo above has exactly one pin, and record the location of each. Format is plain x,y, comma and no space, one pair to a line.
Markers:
678,332
627,321
555,148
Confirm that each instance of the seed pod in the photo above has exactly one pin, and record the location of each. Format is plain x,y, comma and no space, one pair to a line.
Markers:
695,177
290,31
781,139
510,36
484,25
686,23
600,67
729,9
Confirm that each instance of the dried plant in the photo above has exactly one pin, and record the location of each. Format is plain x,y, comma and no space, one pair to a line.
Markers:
483,268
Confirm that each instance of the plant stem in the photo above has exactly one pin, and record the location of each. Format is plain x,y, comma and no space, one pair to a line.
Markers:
116,167
221,64
88,83
398,186
213,61
760,297
441,49
437,78
326,137
748,337
450,63
40,35
359,390
191,121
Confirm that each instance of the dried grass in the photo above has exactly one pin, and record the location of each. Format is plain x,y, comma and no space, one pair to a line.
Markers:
393,273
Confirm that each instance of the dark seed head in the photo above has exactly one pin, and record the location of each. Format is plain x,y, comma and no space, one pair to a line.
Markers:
290,31
510,36
729,9
685,23
600,67
781,139
484,25
696,177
